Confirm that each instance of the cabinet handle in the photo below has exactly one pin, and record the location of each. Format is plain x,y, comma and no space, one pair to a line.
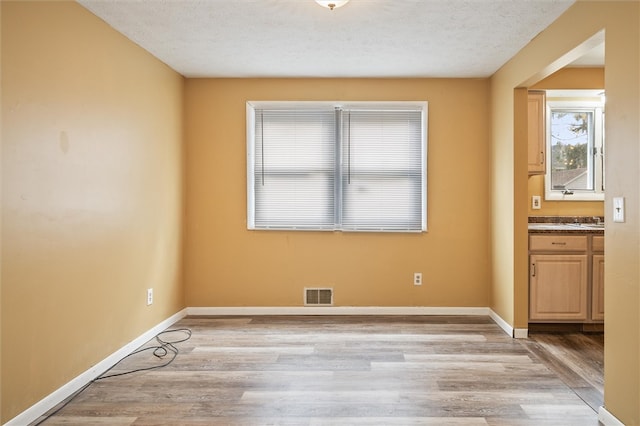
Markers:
533,269
541,157
558,243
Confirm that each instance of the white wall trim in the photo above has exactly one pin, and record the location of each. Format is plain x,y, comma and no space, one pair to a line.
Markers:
608,419
336,310
518,333
39,409
501,322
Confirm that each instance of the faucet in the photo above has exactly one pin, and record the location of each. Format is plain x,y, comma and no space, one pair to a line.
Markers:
596,219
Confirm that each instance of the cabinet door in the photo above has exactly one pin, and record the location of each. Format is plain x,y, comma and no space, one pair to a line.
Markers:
536,133
597,297
558,287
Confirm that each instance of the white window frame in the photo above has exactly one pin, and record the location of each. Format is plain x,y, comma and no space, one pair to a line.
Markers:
584,100
252,106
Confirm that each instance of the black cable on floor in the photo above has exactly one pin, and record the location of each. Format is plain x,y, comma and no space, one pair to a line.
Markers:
164,348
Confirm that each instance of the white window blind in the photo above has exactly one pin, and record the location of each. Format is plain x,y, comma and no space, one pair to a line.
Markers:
382,170
328,167
294,169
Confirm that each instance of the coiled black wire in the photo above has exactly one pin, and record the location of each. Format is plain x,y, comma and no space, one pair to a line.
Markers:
161,350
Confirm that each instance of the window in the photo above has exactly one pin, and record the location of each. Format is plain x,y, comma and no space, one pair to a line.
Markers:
575,145
324,166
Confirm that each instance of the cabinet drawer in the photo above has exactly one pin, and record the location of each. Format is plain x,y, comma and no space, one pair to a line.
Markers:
597,244
558,243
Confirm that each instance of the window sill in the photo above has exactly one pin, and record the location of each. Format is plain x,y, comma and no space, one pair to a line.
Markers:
576,196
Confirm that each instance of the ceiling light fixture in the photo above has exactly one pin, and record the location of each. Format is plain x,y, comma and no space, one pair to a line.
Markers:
332,4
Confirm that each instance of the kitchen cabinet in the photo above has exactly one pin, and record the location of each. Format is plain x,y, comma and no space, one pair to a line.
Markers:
597,294
566,278
536,131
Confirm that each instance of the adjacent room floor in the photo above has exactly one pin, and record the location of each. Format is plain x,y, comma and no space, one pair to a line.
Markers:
341,370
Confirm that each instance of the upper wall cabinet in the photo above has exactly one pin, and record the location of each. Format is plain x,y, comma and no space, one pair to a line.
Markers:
536,133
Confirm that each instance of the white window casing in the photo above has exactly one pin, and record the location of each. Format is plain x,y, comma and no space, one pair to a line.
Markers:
575,186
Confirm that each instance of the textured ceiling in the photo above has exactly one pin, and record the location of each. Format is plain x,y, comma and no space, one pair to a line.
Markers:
298,38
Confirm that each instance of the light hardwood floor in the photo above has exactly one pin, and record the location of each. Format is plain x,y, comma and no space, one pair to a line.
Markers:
339,370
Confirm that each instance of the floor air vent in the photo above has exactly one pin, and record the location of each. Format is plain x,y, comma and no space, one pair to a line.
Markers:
318,296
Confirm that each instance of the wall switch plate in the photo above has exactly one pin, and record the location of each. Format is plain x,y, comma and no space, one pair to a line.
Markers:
149,296
535,202
618,209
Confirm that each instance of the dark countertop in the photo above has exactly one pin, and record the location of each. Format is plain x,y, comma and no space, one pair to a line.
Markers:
566,228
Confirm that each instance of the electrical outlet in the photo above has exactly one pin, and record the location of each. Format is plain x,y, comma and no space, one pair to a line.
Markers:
149,296
417,278
535,202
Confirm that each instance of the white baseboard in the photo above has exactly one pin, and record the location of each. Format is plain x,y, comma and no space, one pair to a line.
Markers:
608,419
336,310
37,410
501,322
518,333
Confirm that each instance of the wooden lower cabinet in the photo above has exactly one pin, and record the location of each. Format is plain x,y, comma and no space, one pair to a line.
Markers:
566,278
558,287
597,295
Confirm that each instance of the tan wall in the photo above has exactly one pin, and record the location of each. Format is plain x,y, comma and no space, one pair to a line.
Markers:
566,78
92,191
0,215
548,52
227,265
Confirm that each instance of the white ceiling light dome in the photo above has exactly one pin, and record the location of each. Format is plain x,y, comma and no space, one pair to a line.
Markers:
332,4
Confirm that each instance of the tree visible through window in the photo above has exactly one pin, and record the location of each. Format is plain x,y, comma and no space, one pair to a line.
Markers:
575,146
571,142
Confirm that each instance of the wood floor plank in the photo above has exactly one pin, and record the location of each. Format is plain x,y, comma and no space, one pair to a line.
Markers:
314,421
582,354
576,358
342,370
554,411
79,420
402,421
492,358
235,350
